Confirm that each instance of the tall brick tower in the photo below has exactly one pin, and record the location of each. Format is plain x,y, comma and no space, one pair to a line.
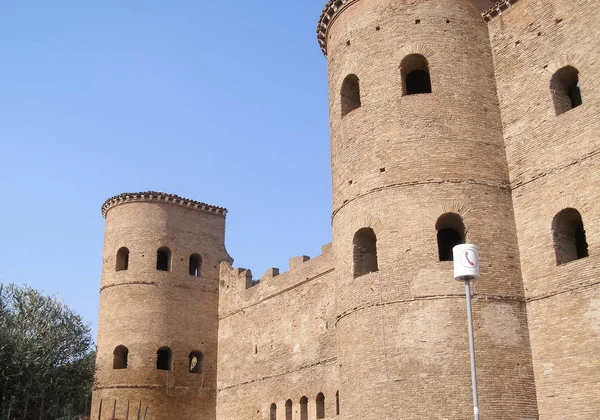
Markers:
158,321
548,49
418,165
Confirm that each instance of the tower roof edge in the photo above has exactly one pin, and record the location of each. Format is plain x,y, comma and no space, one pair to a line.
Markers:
334,7
330,12
160,197
497,9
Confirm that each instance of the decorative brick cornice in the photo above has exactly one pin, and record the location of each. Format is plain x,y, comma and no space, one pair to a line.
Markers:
331,10
334,7
160,197
497,9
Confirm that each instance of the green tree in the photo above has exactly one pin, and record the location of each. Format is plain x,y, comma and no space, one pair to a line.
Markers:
46,357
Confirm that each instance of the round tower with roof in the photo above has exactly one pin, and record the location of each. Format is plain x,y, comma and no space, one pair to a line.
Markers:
158,320
418,166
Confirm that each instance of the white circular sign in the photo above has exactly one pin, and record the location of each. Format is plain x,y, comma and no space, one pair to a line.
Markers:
466,262
469,258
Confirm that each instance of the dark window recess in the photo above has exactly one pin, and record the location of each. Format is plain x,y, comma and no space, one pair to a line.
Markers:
568,233
195,265
414,70
273,415
163,358
418,81
320,405
303,408
120,357
122,259
337,403
365,252
450,232
566,89
350,94
288,410
163,259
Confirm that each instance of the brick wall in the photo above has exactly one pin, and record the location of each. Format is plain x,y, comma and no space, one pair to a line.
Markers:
277,340
553,166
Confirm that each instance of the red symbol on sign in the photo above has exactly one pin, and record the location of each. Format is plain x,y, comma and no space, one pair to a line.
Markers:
468,260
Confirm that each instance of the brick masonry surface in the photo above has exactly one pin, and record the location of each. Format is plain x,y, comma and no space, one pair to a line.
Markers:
485,144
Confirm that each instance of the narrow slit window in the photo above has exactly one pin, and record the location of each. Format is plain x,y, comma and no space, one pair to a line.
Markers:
350,94
288,410
337,403
303,408
195,265
414,70
122,259
450,232
163,358
273,415
120,355
570,242
320,405
365,252
195,362
163,259
566,89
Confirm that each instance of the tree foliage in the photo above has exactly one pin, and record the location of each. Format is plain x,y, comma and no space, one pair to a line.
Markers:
45,350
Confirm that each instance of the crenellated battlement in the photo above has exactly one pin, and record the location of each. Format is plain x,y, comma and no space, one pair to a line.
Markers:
239,289
234,278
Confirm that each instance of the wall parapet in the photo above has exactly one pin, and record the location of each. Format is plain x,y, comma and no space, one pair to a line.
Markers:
239,289
160,197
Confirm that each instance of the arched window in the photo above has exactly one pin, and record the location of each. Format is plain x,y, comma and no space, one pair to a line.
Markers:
120,357
273,411
288,410
195,358
195,265
163,259
565,89
122,259
337,403
320,406
414,70
450,232
163,358
303,408
365,252
350,94
569,236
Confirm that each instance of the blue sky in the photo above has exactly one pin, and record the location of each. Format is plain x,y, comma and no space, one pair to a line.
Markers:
221,102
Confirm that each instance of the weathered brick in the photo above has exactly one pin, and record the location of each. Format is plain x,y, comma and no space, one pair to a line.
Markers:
485,144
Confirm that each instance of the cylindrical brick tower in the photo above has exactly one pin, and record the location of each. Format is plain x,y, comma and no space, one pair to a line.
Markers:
158,320
418,165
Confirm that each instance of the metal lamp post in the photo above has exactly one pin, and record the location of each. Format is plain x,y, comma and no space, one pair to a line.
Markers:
466,268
